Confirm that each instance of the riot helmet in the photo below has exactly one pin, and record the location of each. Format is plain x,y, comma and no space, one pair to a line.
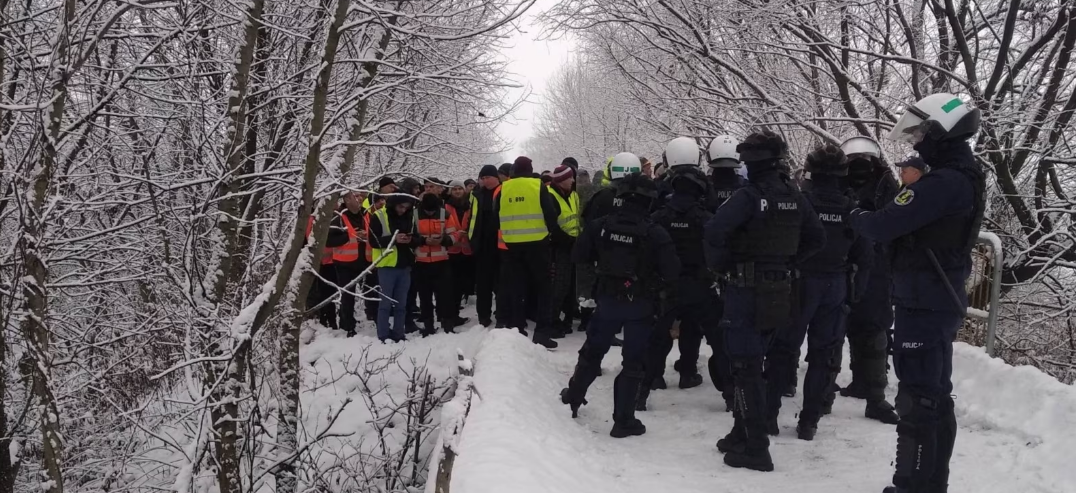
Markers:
624,164
762,150
722,152
938,117
827,159
681,151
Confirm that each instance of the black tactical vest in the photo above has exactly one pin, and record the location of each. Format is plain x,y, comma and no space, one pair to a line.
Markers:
686,230
622,269
947,233
721,190
773,232
832,208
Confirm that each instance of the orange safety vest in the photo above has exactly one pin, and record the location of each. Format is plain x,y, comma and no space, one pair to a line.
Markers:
500,235
326,253
443,226
348,252
464,244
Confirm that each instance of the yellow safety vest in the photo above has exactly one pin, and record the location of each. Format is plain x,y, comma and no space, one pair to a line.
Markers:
521,211
568,220
390,256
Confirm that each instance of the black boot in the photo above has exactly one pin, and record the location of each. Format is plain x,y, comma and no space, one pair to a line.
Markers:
855,390
625,395
939,482
542,338
690,380
486,322
881,411
575,394
917,441
806,431
736,440
617,342
658,384
751,404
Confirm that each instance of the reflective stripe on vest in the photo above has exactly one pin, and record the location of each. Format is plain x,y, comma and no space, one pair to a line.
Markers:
348,252
521,211
430,227
326,253
390,255
568,220
464,245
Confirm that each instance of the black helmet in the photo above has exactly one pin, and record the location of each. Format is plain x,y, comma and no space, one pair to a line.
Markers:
827,159
762,146
637,185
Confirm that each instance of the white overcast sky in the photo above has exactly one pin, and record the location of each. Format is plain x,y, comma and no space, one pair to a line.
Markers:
532,61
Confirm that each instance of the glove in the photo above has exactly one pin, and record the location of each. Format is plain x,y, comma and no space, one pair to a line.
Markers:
674,331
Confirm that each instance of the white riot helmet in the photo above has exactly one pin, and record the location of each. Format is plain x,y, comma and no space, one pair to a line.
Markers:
940,117
681,151
624,164
722,152
861,145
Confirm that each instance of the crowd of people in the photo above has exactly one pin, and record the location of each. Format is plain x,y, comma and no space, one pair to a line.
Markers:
753,257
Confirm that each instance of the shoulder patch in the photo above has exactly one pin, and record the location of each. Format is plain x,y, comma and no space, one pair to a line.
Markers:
905,197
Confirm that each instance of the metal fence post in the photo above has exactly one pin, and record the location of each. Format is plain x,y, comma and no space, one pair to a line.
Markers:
994,242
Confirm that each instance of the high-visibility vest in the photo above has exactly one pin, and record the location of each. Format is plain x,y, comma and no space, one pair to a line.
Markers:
441,225
391,256
348,252
568,220
521,211
326,253
463,245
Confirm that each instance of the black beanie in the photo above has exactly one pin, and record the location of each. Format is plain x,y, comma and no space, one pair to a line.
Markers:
571,163
488,170
522,167
505,169
385,182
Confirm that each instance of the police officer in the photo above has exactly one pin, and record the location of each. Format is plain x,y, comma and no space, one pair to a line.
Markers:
754,239
932,225
601,204
724,170
684,216
823,290
636,266
681,153
872,315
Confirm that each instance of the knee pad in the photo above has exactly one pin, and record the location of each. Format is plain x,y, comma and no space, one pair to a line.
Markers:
746,368
916,407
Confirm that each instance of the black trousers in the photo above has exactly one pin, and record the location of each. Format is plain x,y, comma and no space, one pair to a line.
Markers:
525,273
487,272
433,280
321,291
463,274
345,273
563,272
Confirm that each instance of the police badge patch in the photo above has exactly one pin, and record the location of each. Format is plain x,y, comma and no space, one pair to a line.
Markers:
904,197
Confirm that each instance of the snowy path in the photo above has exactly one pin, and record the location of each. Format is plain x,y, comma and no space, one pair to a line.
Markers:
1018,434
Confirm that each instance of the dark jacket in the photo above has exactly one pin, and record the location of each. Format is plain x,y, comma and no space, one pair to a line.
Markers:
937,216
381,238
601,204
744,206
486,223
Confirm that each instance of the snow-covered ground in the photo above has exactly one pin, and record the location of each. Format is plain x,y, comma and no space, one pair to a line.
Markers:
1017,433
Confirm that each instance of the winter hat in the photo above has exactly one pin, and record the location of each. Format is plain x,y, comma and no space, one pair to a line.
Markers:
505,169
431,202
469,181
571,163
456,183
563,172
488,170
914,162
522,167
384,182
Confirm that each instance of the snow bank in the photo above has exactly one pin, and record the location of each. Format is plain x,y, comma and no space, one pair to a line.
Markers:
1023,401
1018,427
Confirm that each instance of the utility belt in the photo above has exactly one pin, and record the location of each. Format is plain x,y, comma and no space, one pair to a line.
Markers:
772,287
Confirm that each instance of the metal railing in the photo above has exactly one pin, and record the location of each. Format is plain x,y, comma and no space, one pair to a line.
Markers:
984,290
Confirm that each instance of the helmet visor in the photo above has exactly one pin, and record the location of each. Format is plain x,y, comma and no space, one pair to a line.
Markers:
909,128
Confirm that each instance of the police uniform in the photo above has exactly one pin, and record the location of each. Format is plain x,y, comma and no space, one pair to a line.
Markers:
872,314
635,263
601,203
684,217
823,293
754,238
932,225
723,183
